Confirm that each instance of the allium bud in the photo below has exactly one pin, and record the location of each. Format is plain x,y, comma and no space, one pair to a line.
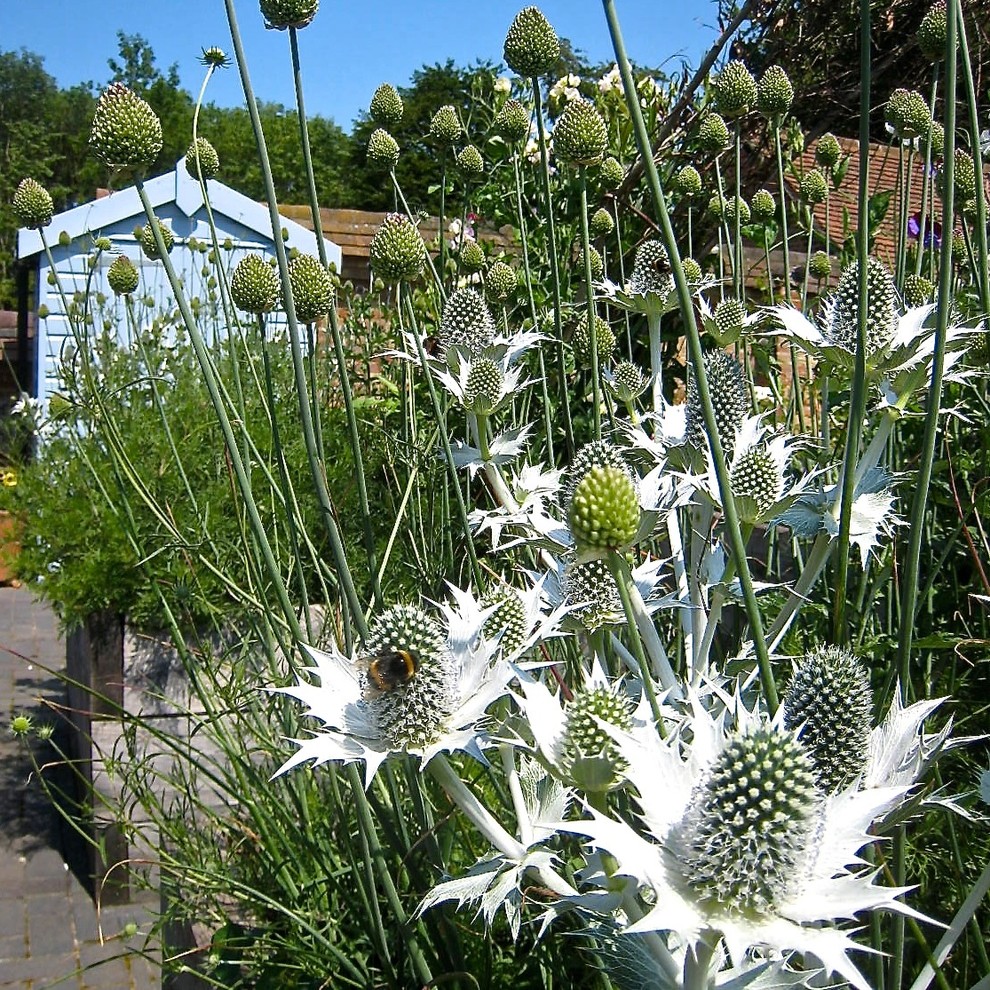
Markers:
312,288
829,699
735,90
820,266
500,282
126,131
386,106
146,238
908,114
828,151
881,319
531,47
733,206
209,160
122,275
581,341
713,135
32,204
814,186
601,223
964,176
688,181
470,163
918,291
727,390
589,755
254,285
604,510
580,136
934,141
729,320
932,33
763,207
282,14
445,128
774,94
511,122
597,264
397,252
472,257
466,322
383,149
612,173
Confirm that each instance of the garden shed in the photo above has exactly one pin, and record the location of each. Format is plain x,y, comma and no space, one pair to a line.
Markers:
242,225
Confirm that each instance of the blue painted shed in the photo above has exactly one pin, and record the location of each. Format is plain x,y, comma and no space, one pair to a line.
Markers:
243,226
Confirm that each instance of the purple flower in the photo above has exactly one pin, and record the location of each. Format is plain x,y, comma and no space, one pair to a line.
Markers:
915,228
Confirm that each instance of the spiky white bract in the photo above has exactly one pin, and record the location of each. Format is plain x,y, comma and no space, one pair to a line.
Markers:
827,884
350,726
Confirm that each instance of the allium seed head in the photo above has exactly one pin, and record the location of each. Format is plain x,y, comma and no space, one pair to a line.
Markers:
127,133
209,160
312,288
612,173
601,223
32,204
763,206
908,114
713,135
470,163
472,257
531,47
580,136
254,285
386,106
735,90
735,205
383,149
122,275
820,266
581,341
511,123
397,252
774,94
500,282
814,186
282,14
146,238
445,127
688,182
828,151
932,33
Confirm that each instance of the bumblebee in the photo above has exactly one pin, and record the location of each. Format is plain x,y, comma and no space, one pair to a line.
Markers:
389,670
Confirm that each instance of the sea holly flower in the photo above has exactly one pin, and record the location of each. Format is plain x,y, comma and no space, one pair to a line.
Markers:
727,321
736,844
650,286
450,677
533,489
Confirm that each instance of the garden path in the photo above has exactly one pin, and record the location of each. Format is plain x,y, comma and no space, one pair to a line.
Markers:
49,926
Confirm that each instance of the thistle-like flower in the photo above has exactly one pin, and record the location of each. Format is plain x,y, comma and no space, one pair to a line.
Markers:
312,288
214,57
580,136
386,106
531,47
122,275
127,133
626,380
205,154
397,252
254,285
727,389
418,688
650,287
32,204
466,322
282,14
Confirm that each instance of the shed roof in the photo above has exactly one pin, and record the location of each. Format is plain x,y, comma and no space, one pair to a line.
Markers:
180,188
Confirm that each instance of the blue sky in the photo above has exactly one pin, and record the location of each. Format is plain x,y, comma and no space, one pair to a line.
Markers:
347,51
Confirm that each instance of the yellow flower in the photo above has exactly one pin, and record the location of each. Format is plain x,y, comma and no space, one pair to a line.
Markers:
9,478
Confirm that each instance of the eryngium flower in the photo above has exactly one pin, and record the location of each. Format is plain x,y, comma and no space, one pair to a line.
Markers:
932,31
312,288
604,510
597,453
651,274
209,160
126,131
814,186
511,123
146,238
692,270
282,14
762,206
484,388
466,322
601,223
397,252
581,341
626,380
508,620
122,275
713,135
735,90
918,290
881,306
386,105
254,285
729,319
828,151
214,57
470,163
612,173
820,266
589,757
774,94
908,114
580,136
500,282
531,47
472,257
591,594
383,149
445,128
830,702
438,708
756,482
688,181
727,389
32,204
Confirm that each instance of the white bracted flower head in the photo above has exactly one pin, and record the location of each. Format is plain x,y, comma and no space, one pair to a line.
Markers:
417,689
736,841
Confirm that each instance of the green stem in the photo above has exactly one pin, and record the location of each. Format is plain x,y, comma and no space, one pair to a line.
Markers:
732,523
596,384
